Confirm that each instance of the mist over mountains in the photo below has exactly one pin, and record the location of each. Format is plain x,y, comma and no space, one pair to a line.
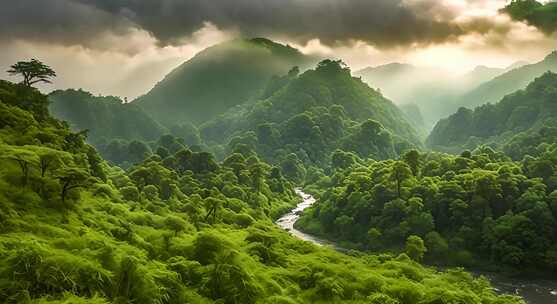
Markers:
219,78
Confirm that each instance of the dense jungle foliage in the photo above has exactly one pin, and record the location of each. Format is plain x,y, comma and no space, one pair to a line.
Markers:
540,15
308,116
477,209
177,227
520,124
298,120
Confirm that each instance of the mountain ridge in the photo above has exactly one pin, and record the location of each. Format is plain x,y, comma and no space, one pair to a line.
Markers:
217,79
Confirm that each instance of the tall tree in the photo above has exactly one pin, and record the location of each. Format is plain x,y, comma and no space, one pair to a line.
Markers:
71,178
32,71
399,173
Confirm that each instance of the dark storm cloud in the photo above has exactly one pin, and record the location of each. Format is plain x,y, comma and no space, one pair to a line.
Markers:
383,23
57,21
380,22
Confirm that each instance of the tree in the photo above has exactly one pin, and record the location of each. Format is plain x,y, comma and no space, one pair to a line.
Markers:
32,71
415,247
374,238
175,223
24,158
138,151
71,178
344,222
130,193
412,158
257,172
399,173
50,159
212,205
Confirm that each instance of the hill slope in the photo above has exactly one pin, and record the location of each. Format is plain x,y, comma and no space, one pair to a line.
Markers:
217,79
180,230
528,110
516,79
313,114
427,88
106,118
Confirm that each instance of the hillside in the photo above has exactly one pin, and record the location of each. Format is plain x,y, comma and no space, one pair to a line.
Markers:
105,118
478,209
217,79
526,111
180,230
313,114
516,79
427,88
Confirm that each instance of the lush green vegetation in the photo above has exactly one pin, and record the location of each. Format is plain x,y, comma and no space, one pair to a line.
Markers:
478,208
217,79
522,123
122,132
106,118
543,16
178,227
494,90
303,118
297,120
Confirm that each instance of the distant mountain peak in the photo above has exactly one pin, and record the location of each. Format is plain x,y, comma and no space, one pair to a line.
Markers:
551,57
516,65
219,78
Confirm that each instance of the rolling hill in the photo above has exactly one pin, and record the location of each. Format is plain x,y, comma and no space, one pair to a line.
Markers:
217,79
105,117
526,115
515,79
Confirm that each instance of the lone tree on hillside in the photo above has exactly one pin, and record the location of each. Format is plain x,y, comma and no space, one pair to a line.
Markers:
32,71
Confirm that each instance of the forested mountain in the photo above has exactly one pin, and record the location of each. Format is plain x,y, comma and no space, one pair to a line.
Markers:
105,118
518,124
430,89
308,116
217,79
476,209
178,229
516,79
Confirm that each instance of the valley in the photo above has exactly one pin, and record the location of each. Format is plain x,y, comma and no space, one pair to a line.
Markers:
534,291
347,152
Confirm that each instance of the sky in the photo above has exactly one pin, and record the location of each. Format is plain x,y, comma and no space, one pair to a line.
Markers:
123,47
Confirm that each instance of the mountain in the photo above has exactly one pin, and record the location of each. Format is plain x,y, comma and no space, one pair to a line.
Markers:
313,114
479,75
506,83
430,89
105,117
217,79
400,81
517,116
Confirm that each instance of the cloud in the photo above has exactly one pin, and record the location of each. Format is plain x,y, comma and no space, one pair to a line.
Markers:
63,22
125,66
382,23
123,47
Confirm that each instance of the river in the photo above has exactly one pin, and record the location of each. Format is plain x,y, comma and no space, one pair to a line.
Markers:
533,291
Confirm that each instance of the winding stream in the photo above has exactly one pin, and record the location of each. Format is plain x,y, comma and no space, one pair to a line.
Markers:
533,291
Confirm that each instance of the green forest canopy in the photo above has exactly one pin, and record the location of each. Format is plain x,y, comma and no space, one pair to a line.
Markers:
178,228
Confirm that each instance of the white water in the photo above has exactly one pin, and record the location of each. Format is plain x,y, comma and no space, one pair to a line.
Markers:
533,291
287,221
